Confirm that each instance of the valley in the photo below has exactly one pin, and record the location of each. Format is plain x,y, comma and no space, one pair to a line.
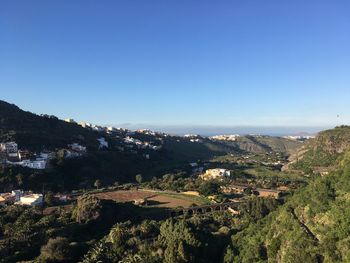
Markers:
147,188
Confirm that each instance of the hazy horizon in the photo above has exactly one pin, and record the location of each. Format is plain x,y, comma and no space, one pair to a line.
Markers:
210,130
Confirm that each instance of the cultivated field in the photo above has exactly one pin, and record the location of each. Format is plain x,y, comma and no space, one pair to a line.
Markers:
158,199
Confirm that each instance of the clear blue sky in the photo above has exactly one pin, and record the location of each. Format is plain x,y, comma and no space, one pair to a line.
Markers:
179,62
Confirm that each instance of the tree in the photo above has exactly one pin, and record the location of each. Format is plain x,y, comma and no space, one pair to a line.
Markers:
98,183
20,179
88,208
56,249
179,241
139,178
208,188
49,198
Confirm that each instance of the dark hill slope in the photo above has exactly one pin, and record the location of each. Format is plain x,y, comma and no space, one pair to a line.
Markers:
35,132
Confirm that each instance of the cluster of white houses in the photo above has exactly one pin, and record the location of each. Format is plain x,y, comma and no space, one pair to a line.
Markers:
18,197
230,137
11,155
140,144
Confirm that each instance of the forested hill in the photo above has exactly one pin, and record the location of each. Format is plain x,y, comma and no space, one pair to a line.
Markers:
33,132
121,161
322,154
312,226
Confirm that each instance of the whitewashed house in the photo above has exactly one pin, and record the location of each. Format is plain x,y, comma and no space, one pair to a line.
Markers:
10,148
215,174
36,164
103,143
77,147
31,200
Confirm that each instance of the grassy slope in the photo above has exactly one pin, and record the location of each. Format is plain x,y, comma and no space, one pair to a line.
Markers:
323,151
313,225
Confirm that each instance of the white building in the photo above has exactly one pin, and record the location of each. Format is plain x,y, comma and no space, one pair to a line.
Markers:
77,147
85,124
31,200
36,164
71,154
9,147
47,155
69,120
98,128
103,143
17,194
215,174
231,137
111,129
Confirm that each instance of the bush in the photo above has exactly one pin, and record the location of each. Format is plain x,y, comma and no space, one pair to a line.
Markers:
56,250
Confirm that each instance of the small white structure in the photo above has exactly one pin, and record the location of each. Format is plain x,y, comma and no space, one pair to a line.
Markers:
71,154
17,194
69,120
85,124
111,129
9,147
103,143
191,136
230,137
193,164
215,174
196,140
98,128
77,147
47,155
146,131
31,200
36,164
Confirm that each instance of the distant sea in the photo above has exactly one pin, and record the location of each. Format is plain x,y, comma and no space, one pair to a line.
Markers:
217,130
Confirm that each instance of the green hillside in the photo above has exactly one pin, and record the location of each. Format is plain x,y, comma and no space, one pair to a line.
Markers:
262,144
118,163
323,152
312,226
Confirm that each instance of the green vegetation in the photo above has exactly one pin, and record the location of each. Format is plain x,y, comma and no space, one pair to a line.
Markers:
267,173
202,238
118,163
201,200
209,188
56,250
312,226
265,144
60,234
324,151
